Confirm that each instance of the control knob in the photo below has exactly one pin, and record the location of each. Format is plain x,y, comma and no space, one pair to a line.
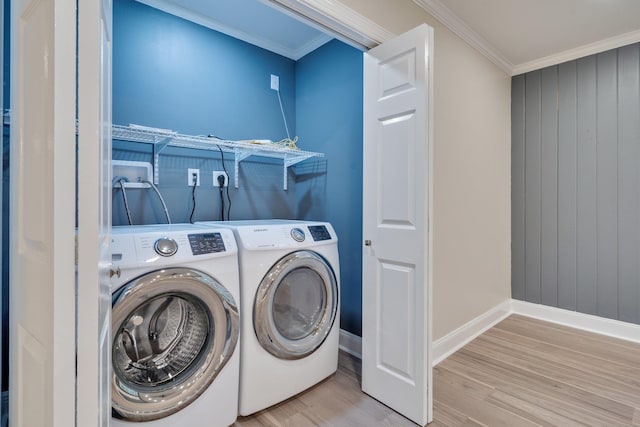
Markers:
165,246
297,234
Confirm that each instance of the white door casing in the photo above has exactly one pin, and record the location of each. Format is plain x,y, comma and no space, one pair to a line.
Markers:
396,294
42,279
94,213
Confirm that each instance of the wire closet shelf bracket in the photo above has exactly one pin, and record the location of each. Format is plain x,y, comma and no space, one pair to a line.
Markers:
241,150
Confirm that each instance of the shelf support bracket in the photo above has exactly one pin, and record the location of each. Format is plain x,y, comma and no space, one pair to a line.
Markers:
239,155
160,144
289,161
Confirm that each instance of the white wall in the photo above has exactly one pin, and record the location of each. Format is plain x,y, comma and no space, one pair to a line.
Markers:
472,146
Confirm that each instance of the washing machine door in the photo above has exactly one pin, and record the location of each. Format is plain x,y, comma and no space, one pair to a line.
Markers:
296,305
173,332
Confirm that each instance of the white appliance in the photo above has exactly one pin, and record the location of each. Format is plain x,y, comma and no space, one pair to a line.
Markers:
289,295
175,326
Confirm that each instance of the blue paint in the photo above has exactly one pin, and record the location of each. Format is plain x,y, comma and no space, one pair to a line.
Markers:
174,74
329,120
171,73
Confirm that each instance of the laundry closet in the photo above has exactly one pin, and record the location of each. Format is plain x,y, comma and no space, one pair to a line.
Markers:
175,75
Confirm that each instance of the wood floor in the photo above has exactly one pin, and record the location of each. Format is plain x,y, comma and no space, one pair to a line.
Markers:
522,372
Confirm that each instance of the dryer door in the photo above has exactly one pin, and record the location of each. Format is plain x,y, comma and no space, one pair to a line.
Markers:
174,330
296,305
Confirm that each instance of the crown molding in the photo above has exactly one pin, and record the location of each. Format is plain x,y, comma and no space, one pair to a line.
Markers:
310,46
339,20
190,15
450,20
579,52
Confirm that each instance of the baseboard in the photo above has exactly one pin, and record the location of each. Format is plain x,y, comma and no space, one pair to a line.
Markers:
573,319
455,340
351,343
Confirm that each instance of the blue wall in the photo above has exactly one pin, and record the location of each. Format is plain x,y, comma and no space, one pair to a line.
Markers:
329,120
174,74
171,73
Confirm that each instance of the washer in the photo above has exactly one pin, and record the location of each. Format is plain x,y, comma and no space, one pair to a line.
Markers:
175,326
289,294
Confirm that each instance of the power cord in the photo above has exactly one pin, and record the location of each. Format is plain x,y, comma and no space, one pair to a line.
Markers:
194,179
121,181
221,185
164,206
224,168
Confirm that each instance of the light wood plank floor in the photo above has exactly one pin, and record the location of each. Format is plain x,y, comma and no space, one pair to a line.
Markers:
522,372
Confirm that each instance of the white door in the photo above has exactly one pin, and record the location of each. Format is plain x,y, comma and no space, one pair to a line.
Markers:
42,280
396,297
94,212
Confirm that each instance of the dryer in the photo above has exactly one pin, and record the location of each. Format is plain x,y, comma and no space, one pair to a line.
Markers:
289,294
175,326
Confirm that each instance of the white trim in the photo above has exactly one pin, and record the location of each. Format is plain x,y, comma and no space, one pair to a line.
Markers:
587,322
351,343
213,24
310,46
455,340
340,20
450,20
579,52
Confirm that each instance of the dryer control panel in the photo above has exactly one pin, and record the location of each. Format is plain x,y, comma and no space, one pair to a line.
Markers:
265,235
319,233
206,243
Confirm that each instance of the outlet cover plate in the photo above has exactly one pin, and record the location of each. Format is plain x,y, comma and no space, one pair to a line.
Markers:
215,178
190,173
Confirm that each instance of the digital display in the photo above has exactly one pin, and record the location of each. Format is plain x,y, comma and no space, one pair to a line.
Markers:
319,233
206,243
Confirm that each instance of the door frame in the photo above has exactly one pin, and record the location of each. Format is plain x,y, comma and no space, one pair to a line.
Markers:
348,26
344,23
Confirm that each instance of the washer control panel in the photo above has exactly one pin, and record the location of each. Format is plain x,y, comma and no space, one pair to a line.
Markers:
206,243
165,246
319,233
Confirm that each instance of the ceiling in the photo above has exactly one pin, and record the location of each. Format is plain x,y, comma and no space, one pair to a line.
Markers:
517,35
523,35
249,20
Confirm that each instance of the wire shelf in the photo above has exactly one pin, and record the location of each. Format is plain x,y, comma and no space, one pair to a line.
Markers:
162,138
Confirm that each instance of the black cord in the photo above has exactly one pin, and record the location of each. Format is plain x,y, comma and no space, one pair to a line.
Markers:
126,203
228,197
193,200
221,205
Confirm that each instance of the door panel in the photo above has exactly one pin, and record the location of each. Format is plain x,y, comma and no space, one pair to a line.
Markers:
94,212
396,295
396,202
396,346
42,297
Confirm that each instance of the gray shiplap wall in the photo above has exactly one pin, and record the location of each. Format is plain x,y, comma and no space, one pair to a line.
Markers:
576,185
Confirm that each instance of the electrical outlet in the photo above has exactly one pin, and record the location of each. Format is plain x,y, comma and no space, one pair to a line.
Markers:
275,82
216,174
190,174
